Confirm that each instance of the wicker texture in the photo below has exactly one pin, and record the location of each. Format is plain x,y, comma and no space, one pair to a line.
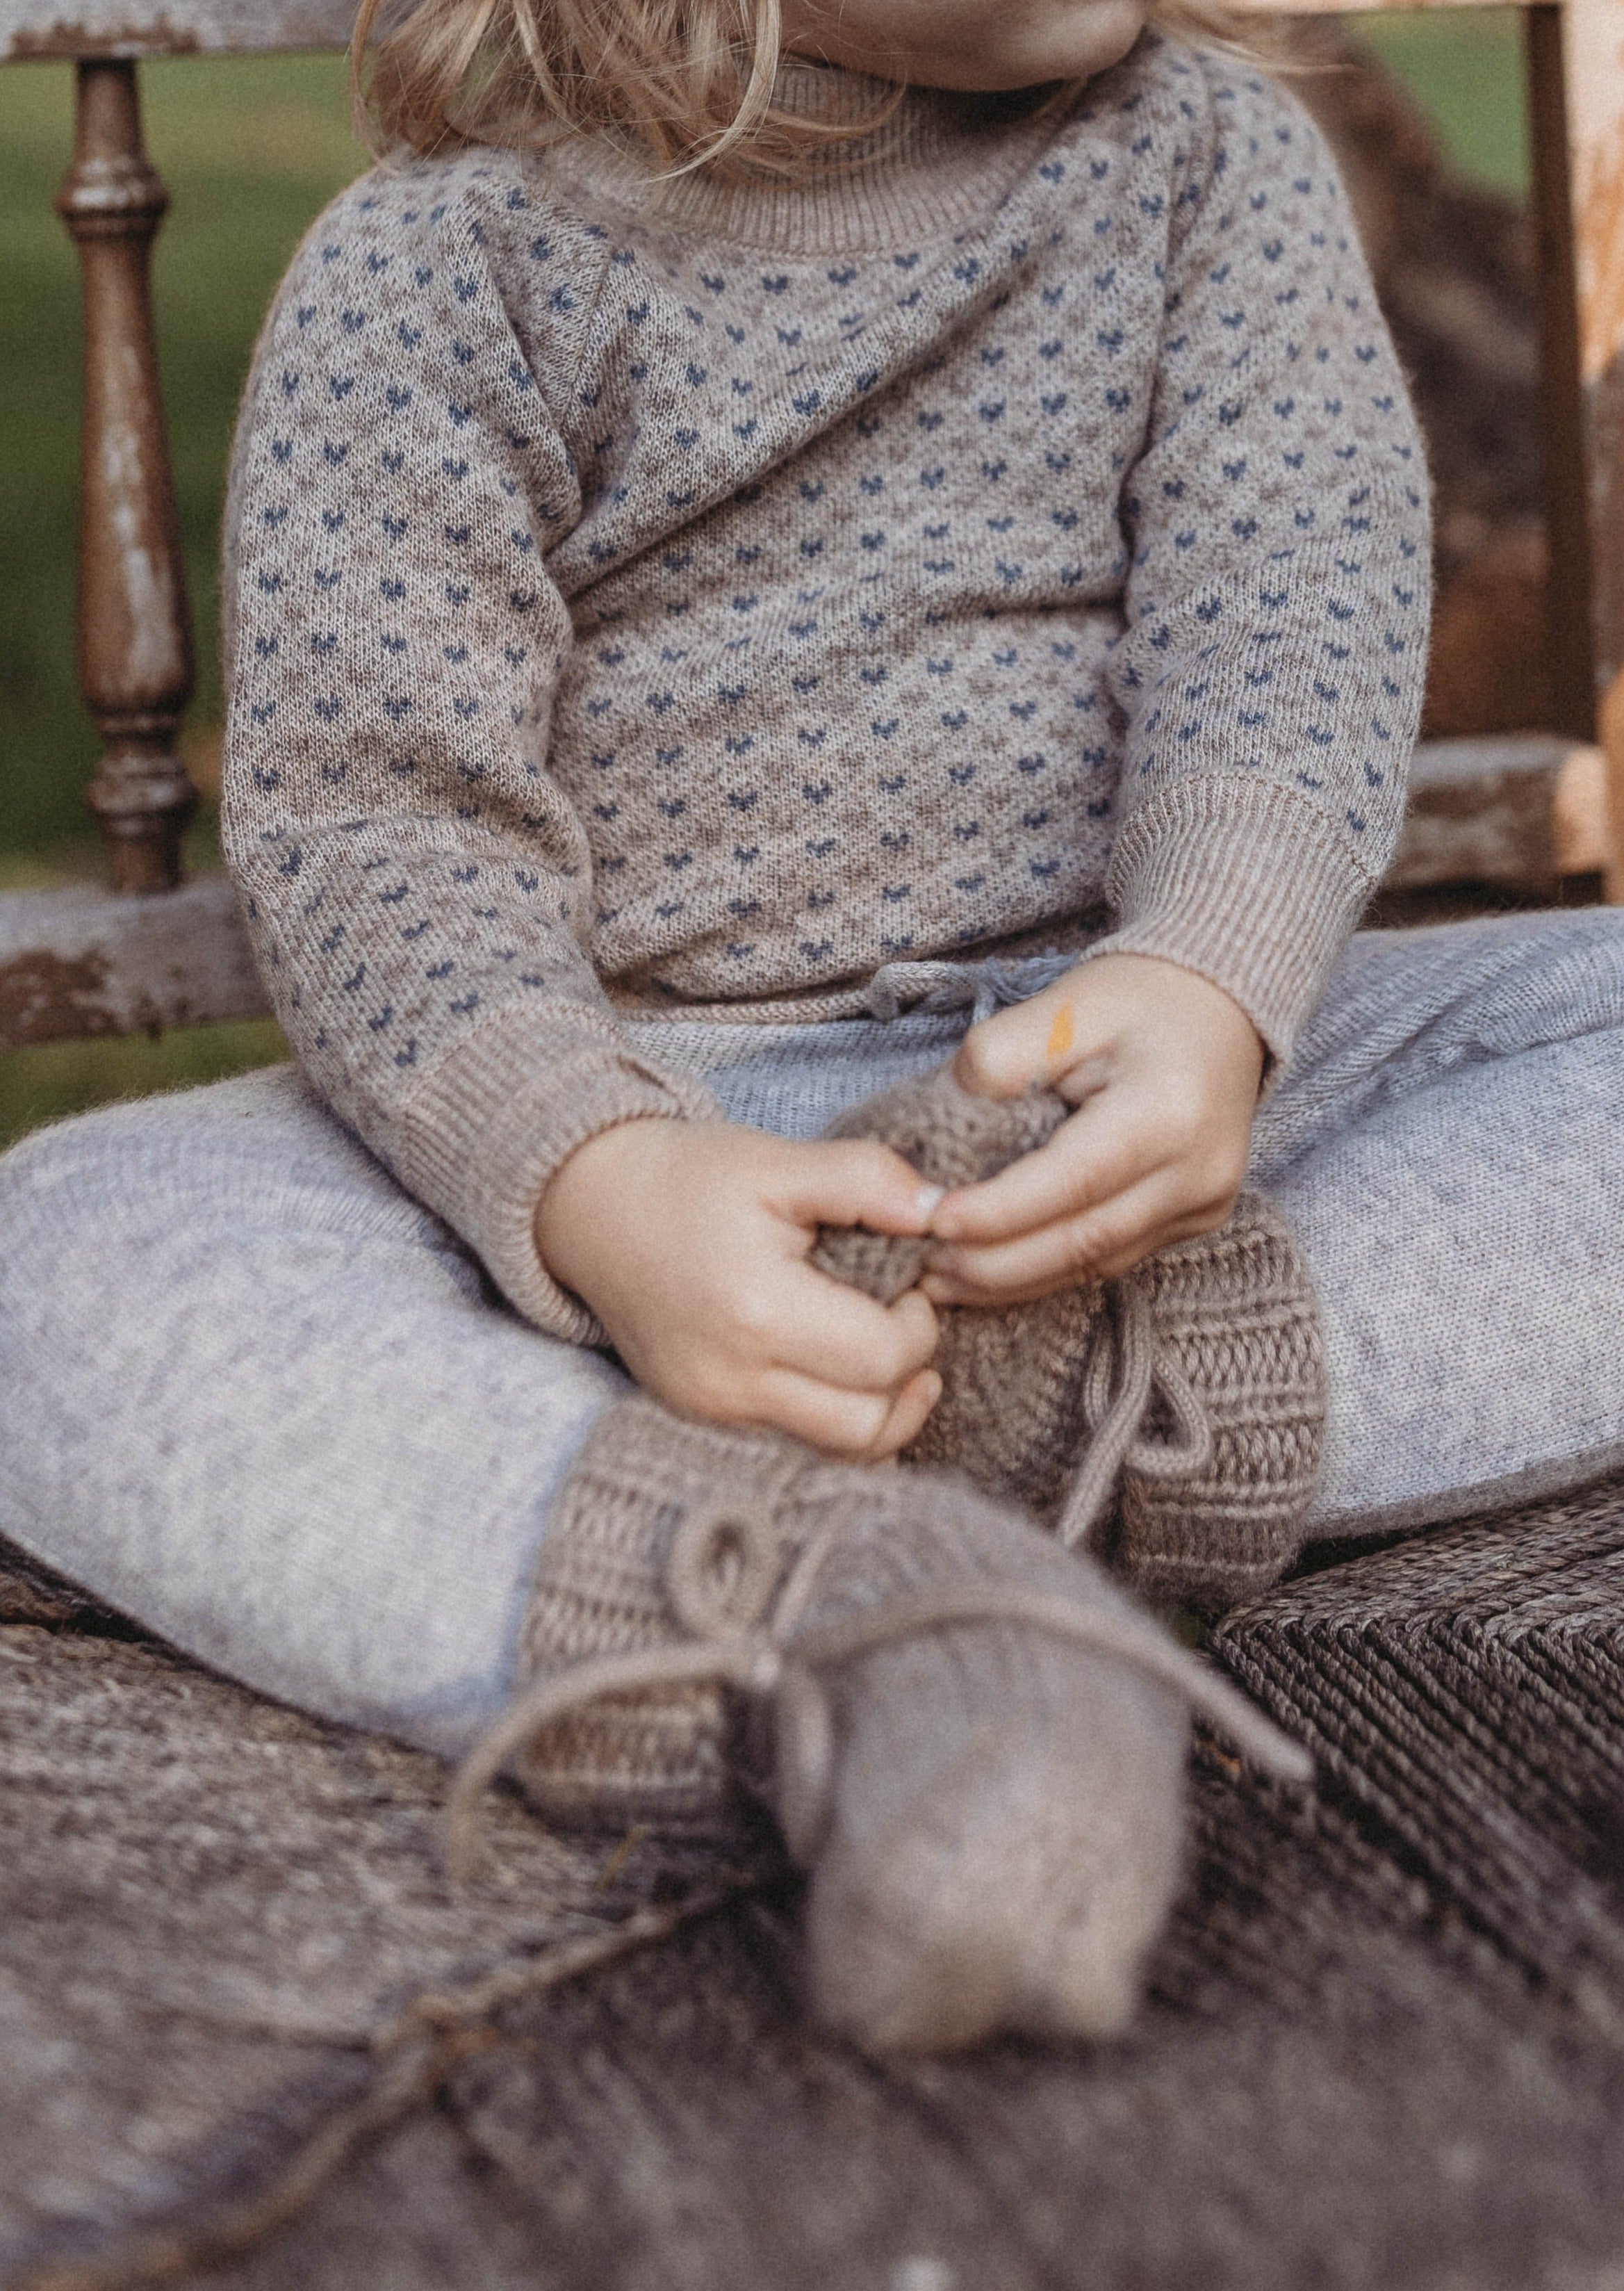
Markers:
1381,2043
1464,1690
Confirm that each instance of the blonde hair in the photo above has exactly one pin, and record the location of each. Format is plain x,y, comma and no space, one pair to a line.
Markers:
691,80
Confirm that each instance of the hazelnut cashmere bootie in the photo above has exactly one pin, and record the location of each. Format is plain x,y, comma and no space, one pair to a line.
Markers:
971,1739
1171,1421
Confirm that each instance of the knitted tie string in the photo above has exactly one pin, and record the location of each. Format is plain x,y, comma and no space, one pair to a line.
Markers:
934,986
1124,1355
718,1563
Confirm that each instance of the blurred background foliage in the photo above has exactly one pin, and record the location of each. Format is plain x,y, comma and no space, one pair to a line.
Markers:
1465,70
251,149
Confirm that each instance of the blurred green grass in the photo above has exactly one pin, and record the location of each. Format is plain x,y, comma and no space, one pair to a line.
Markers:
251,149
1464,67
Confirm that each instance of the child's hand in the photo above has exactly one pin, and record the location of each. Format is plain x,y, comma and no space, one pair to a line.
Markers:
1165,1068
689,1241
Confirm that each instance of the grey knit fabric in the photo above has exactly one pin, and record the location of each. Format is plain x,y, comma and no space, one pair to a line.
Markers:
703,598
1229,1317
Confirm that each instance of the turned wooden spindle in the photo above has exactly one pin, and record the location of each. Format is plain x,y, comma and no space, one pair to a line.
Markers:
135,629
1569,599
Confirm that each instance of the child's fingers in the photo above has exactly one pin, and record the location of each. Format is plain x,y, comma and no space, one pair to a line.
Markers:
1091,1158
1094,1246
852,1181
861,1426
1032,1041
820,1328
910,1408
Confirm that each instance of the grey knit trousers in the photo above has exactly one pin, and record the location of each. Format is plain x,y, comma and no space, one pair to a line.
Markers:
258,1399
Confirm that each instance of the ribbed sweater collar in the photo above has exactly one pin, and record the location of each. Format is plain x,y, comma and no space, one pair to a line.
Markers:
932,165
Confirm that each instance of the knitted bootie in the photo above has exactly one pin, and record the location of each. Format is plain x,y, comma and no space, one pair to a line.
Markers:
971,1739
1171,1421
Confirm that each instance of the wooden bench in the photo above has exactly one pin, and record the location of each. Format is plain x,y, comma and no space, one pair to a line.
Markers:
149,953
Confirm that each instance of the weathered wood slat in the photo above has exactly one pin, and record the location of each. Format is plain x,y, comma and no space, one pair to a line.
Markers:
1569,628
153,28
87,962
1583,44
1521,811
166,27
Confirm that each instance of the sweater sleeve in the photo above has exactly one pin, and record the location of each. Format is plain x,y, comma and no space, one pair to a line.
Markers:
1271,669
416,886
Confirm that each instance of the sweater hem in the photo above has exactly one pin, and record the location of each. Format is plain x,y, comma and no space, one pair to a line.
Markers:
1244,883
483,1136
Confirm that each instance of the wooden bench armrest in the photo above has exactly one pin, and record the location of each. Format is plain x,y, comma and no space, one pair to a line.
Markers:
86,962
130,28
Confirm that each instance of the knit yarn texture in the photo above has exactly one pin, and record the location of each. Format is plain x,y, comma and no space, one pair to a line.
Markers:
1235,1312
1013,535
1026,1388
672,1757
991,1816
661,1757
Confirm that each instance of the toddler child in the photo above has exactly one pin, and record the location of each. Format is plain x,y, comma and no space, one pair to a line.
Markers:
805,569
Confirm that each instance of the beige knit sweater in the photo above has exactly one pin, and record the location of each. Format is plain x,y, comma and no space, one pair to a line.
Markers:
697,599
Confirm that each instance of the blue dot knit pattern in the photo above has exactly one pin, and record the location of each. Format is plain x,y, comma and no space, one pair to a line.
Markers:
1011,534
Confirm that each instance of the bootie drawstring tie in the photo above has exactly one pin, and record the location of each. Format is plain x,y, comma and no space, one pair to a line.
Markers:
1127,1372
721,1577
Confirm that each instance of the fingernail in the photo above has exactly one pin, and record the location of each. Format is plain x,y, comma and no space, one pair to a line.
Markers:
929,1200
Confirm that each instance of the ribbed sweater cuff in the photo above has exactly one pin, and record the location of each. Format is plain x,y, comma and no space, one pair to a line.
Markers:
483,1136
1244,882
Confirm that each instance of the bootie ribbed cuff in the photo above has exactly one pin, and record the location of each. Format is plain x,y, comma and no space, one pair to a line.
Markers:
1171,1421
603,1589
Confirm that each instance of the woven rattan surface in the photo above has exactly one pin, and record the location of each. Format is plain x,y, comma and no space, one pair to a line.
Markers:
1385,2047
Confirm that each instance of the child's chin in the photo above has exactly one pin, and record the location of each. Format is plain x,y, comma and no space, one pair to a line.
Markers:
1108,30
1102,35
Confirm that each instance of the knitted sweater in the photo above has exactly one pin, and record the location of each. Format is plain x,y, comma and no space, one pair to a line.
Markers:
1011,534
